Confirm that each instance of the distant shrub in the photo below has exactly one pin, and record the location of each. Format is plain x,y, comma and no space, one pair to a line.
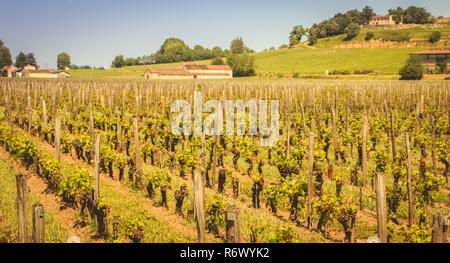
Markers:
357,72
217,61
369,35
442,66
346,72
413,70
280,75
447,78
283,46
295,75
435,37
335,72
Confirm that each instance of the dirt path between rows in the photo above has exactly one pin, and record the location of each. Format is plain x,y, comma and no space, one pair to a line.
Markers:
67,216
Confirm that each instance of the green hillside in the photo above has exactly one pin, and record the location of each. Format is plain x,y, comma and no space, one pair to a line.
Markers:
318,60
323,56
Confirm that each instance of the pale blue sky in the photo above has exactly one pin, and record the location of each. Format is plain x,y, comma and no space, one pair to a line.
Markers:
93,32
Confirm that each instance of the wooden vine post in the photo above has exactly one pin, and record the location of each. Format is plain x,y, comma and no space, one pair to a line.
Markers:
392,136
233,224
381,208
21,203
409,182
30,121
96,167
335,142
119,134
310,172
364,149
433,144
44,114
214,161
57,139
199,207
439,231
38,223
137,152
204,165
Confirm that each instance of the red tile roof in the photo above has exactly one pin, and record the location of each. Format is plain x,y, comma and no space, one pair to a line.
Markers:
207,67
218,67
433,52
169,71
211,74
381,16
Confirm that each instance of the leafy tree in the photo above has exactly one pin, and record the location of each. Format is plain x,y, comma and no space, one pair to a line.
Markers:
242,65
31,59
21,60
63,60
416,15
5,55
237,46
118,62
352,31
130,61
312,36
435,37
296,35
217,52
217,61
413,70
397,14
367,14
173,50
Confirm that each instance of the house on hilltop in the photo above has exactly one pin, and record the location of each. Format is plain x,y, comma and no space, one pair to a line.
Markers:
382,20
191,71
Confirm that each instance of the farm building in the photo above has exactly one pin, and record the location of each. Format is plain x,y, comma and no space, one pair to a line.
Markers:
433,57
12,70
44,73
382,20
191,71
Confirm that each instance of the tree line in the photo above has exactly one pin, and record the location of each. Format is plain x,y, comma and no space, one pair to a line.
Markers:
176,50
350,22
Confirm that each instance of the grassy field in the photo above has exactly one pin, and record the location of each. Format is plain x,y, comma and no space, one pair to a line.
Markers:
318,60
125,72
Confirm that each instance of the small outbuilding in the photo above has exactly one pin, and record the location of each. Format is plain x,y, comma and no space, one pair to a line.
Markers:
433,58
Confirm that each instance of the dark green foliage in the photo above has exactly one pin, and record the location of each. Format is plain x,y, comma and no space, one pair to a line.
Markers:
63,60
412,15
5,55
352,31
369,35
295,37
217,61
413,70
23,60
242,65
435,37
118,62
